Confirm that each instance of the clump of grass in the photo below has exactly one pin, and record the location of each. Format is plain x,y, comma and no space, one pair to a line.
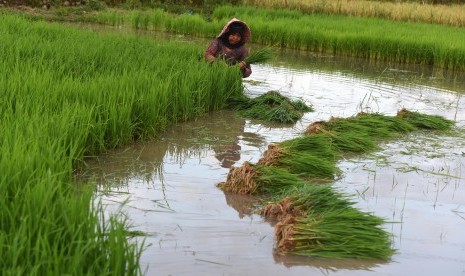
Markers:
271,107
259,56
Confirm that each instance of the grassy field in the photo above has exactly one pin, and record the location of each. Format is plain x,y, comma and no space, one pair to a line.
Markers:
66,95
69,94
376,39
447,12
411,11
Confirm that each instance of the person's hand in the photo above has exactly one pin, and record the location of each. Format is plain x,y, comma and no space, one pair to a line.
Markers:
210,58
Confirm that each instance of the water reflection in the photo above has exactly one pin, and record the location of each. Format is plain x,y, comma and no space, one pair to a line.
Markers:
169,184
222,133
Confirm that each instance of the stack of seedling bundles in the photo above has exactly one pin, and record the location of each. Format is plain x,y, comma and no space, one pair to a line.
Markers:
312,218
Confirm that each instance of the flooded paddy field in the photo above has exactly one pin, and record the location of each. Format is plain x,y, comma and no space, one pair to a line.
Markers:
167,187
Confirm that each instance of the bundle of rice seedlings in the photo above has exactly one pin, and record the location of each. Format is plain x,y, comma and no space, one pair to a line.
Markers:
394,124
306,198
360,133
241,180
316,145
251,179
272,107
262,55
306,156
277,181
337,233
425,121
352,141
280,114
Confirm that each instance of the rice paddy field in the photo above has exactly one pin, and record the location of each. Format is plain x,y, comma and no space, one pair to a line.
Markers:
370,38
168,187
154,207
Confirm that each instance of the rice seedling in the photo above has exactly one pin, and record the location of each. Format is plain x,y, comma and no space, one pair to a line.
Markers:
453,15
68,94
373,38
425,121
360,133
259,179
259,56
272,107
405,42
337,233
309,162
314,219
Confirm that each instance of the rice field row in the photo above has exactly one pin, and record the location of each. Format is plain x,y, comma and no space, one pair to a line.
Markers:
312,218
376,39
69,94
453,15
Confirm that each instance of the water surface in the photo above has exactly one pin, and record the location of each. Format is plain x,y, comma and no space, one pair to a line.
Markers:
169,188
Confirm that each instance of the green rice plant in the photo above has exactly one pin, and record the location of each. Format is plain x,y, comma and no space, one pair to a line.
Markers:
355,142
415,11
318,144
68,94
273,180
372,38
316,220
425,121
309,165
259,56
272,107
363,37
337,233
360,133
305,163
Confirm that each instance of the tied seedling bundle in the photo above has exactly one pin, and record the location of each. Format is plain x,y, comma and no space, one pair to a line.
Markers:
313,219
259,56
271,107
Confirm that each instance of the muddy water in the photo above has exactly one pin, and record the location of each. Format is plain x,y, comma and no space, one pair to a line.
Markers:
169,191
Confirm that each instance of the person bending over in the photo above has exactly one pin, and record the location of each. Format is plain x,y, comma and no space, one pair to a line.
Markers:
230,46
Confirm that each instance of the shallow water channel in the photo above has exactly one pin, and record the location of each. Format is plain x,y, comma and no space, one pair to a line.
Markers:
168,185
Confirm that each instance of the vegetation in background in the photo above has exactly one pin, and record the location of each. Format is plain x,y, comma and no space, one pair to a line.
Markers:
413,11
313,219
68,94
374,39
448,12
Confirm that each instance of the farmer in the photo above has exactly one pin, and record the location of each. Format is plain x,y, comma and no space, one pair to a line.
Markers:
229,45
